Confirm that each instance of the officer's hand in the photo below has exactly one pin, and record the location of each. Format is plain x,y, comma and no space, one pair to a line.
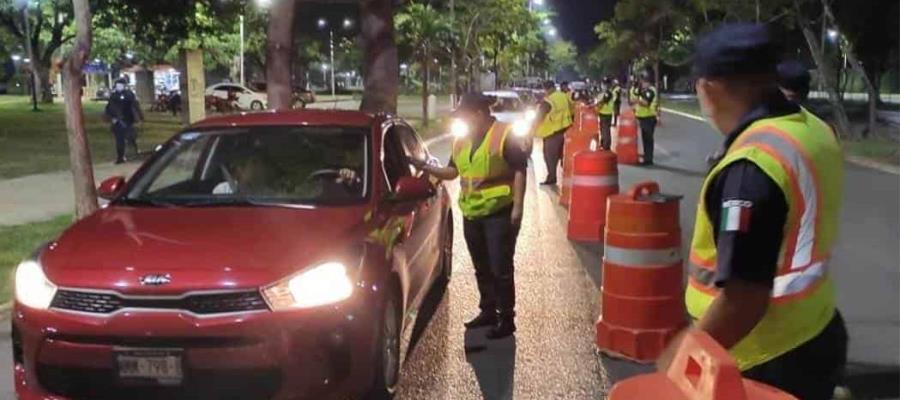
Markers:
515,218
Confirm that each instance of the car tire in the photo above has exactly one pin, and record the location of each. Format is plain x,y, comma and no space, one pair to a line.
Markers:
256,105
387,365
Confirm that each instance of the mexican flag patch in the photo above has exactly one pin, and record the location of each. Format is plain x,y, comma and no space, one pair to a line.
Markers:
736,216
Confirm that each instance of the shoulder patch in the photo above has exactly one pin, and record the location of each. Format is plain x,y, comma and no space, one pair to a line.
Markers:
736,215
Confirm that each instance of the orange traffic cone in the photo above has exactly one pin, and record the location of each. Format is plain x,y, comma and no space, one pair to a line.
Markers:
700,370
626,146
596,177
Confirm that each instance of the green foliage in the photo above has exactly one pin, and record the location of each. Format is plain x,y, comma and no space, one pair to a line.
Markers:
562,54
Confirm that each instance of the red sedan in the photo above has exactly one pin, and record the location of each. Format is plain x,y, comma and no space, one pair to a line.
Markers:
266,256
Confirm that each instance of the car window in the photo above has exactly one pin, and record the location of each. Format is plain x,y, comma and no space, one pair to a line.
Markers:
412,146
279,164
393,159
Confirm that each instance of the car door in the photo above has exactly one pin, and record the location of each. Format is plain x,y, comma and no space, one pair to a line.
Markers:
425,234
245,97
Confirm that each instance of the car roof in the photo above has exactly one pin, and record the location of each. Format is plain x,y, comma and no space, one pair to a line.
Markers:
290,117
502,93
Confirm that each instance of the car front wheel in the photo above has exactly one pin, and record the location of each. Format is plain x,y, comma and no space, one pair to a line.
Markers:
256,105
387,370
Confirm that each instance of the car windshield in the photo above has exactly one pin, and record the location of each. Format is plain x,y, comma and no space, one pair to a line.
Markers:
257,166
507,104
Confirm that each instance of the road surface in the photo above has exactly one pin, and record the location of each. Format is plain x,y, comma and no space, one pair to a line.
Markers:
552,355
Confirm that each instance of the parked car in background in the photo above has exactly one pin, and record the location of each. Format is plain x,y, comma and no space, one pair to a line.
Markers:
277,255
246,99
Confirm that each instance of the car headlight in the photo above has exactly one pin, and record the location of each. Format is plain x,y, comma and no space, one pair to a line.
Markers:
459,128
521,127
32,287
530,114
323,284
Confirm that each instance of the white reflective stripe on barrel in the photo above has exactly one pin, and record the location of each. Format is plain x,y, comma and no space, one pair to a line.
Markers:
594,180
642,258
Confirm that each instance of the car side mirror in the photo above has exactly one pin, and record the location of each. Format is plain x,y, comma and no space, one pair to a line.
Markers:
410,188
111,187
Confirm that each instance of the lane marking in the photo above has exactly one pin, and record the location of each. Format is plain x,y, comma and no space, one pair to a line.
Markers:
684,114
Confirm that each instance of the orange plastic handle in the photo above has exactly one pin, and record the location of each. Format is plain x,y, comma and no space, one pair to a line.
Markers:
645,188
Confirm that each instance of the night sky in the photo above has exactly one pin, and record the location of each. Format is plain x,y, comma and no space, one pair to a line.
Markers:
575,19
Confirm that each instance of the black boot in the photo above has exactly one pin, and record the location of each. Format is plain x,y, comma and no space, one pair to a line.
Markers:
483,319
504,327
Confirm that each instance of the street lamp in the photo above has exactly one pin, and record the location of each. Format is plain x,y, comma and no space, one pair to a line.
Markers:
551,32
16,57
832,34
323,23
324,76
264,3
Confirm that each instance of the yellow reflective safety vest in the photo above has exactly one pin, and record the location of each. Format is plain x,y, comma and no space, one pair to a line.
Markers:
486,178
610,96
559,117
801,155
642,111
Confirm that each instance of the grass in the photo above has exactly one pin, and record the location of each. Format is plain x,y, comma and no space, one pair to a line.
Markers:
19,241
35,142
877,147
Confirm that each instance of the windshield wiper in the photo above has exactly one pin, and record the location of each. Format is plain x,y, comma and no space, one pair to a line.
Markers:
145,202
238,202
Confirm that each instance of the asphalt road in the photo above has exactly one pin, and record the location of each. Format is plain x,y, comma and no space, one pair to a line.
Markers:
552,355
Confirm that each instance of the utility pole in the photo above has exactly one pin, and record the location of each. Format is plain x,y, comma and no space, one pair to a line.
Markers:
31,58
331,43
242,50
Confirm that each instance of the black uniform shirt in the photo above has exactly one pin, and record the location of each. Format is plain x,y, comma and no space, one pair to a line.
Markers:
512,151
753,208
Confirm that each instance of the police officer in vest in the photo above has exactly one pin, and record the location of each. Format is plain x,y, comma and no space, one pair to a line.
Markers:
767,222
555,116
491,164
793,81
617,103
605,109
646,106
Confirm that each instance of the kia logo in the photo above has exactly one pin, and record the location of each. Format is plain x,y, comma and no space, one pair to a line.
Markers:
155,279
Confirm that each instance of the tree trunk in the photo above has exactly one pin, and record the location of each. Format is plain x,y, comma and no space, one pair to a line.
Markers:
425,76
45,89
279,54
827,75
79,151
381,69
857,67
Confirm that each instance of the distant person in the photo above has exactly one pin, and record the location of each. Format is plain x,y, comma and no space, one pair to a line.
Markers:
759,273
617,101
554,116
794,81
646,108
123,112
604,107
174,102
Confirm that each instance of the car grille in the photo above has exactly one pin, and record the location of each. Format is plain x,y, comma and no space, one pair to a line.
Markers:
202,304
101,384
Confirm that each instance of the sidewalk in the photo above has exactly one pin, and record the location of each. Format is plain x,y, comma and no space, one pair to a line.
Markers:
39,197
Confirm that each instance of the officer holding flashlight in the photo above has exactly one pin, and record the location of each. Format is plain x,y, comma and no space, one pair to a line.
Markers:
490,161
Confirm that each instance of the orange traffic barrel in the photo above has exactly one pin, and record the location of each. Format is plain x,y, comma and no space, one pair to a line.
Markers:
700,370
642,298
595,178
626,146
578,138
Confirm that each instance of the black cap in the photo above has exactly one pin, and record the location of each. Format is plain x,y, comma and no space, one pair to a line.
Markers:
123,80
472,102
793,75
735,49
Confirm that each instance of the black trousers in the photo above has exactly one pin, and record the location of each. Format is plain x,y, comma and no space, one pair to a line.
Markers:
492,243
616,106
648,126
553,152
812,370
123,134
605,131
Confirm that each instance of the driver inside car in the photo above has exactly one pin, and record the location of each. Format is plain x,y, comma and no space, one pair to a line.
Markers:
248,175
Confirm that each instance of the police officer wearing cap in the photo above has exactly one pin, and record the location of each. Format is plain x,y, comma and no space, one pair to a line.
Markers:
767,222
605,109
123,112
646,107
491,164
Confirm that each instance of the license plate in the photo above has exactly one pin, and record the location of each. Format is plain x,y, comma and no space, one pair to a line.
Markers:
163,366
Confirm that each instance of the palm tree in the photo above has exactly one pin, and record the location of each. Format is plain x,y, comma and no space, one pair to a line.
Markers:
425,30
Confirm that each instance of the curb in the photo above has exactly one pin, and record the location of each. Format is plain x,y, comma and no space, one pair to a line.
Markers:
860,161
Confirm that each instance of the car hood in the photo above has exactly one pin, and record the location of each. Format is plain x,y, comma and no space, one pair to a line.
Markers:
509,117
200,248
